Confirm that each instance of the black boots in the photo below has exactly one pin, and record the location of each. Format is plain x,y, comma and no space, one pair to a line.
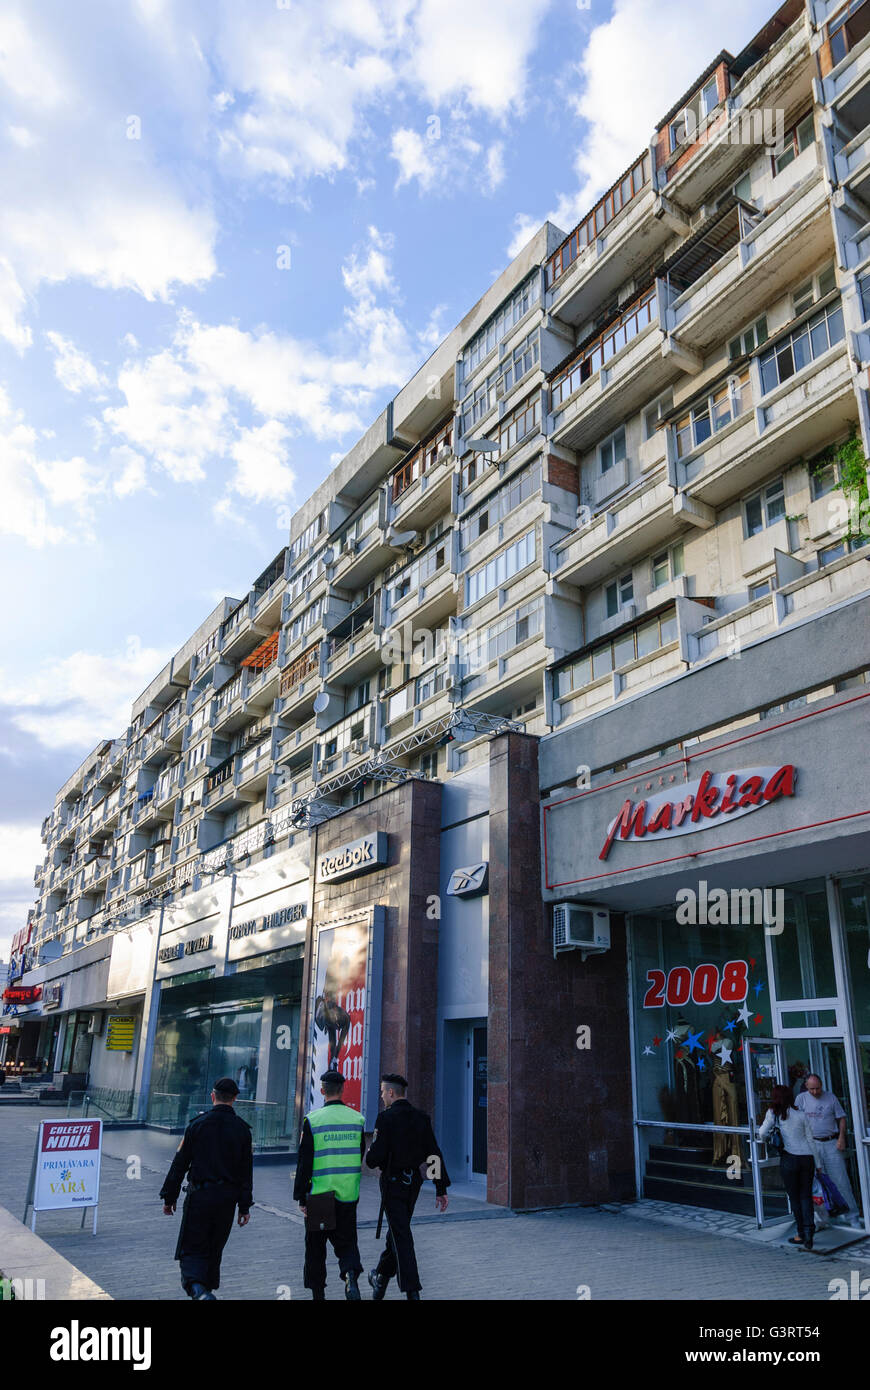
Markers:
379,1285
351,1287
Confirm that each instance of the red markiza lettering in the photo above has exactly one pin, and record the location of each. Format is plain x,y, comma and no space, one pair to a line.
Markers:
704,804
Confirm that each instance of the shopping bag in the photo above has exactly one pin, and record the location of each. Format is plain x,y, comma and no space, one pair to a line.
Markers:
820,1211
833,1200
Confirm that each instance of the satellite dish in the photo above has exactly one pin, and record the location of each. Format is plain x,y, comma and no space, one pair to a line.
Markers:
327,557
321,702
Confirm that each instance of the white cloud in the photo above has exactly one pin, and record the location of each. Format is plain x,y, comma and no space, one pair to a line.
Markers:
447,158
21,849
74,701
261,472
620,115
132,475
73,368
477,51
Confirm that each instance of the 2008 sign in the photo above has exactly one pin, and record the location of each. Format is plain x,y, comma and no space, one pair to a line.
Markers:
703,985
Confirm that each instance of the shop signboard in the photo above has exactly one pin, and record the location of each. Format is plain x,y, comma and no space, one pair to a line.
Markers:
23,994
350,860
271,922
120,1033
132,963
346,1008
66,1167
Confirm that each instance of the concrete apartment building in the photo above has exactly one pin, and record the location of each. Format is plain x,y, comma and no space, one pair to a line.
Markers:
610,525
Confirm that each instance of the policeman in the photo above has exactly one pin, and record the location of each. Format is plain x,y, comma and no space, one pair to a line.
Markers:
217,1151
403,1144
330,1160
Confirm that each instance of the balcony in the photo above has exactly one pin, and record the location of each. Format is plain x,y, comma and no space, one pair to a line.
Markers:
300,741
361,556
349,740
159,862
825,587
421,489
300,682
611,376
426,591
852,164
167,789
252,769
740,261
230,704
641,520
352,649
846,85
174,721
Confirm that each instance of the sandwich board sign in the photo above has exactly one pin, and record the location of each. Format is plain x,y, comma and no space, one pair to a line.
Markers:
66,1168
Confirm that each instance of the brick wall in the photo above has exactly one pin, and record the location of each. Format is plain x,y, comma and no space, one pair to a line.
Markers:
563,474
559,1119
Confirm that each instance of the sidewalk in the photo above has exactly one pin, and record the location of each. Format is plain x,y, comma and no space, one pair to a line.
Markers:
474,1252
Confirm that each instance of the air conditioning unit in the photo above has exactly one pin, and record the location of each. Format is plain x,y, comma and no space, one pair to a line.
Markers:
444,453
357,745
581,927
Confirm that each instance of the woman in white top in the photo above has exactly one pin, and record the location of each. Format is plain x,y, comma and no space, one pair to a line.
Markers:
800,1159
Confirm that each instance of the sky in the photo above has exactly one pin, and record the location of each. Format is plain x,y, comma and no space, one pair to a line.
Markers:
230,230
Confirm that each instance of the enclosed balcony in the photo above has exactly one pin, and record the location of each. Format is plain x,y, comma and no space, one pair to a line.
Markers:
173,723
853,166
253,766
229,707
611,375
167,788
352,646
421,488
843,60
267,592
264,675
349,740
359,550
425,591
300,682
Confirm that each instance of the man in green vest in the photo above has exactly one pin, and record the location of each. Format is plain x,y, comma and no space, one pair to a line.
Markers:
330,1160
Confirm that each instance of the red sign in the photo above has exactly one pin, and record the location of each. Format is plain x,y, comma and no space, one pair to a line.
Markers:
713,796
70,1134
24,994
703,985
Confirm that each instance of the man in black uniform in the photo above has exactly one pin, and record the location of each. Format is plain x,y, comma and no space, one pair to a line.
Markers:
406,1151
216,1149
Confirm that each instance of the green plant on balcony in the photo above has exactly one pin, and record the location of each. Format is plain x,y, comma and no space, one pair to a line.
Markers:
851,464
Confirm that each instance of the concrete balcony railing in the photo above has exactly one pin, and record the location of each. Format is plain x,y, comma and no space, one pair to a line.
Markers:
824,587
610,259
640,674
623,385
432,595
426,496
850,75
352,656
774,254
631,528
361,558
299,741
852,164
253,766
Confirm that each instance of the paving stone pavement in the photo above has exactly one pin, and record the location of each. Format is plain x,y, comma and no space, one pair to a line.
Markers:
484,1254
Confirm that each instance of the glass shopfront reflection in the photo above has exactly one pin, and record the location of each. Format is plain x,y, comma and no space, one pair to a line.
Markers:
244,1025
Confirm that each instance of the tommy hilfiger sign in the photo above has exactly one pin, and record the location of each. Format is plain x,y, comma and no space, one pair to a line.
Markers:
295,913
358,857
713,798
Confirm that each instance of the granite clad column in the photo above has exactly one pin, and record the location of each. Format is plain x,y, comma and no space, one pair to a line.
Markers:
559,1119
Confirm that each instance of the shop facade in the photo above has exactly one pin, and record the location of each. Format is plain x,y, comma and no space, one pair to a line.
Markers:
736,850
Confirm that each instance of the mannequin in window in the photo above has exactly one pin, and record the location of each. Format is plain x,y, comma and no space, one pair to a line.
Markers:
687,1082
725,1146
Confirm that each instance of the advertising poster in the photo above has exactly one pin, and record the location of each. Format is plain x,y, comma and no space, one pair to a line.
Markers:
338,1020
67,1164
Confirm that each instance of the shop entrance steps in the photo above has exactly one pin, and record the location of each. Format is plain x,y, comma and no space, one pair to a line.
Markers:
688,1176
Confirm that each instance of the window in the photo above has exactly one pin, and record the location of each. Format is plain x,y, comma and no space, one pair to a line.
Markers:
519,361
845,547
612,451
500,504
743,188
667,565
331,748
478,402
654,414
429,765
643,640
304,542
816,288
618,594
801,347
759,590
501,637
432,683
500,568
614,200
750,339
484,342
595,354
359,696
709,97
523,421
726,403
306,620
795,141
844,32
764,508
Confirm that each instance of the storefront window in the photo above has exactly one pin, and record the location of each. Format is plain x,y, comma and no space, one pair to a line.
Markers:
802,957
855,900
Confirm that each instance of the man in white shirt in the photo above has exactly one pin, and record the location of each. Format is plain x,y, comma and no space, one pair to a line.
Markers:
828,1123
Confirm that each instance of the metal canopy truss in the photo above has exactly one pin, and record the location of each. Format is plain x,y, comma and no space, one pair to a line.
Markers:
317,807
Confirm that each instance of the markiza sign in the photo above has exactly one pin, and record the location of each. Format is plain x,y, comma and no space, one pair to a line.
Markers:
712,799
358,857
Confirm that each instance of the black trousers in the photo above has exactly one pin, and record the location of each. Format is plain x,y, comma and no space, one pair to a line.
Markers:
343,1241
798,1171
206,1222
398,1255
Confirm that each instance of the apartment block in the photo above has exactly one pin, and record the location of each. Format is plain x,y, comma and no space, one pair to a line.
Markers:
632,478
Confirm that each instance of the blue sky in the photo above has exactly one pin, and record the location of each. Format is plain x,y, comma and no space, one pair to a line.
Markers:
230,230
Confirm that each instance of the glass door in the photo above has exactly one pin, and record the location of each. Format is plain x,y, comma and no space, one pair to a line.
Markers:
765,1065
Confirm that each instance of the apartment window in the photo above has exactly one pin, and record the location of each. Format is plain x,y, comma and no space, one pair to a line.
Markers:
306,620
432,683
484,342
749,340
709,99
330,748
509,632
303,543
429,765
726,403
618,594
359,696
796,140
614,200
814,289
667,565
759,590
743,188
357,796
522,422
654,414
764,508
836,552
500,568
864,291
500,504
643,640
478,402
519,361
593,356
612,451
850,26
803,346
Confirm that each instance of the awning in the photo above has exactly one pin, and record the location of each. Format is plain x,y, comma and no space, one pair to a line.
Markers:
265,654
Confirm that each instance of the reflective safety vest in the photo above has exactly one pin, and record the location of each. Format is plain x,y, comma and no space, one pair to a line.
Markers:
337,1132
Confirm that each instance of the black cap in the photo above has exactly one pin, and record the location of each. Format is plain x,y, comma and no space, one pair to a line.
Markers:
332,1078
226,1087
